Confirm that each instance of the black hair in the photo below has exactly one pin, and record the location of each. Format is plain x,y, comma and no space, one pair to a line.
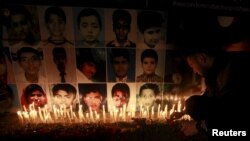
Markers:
149,53
121,87
32,37
118,53
27,50
65,87
54,10
17,10
148,19
59,51
89,12
6,92
195,106
88,88
85,55
30,89
151,86
121,14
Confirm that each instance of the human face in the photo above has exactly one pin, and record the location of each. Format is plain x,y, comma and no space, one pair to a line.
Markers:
89,28
149,65
147,98
56,26
120,99
121,30
38,98
30,63
93,100
89,69
63,98
152,36
20,26
120,66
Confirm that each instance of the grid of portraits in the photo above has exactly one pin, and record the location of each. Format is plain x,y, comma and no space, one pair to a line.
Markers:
95,57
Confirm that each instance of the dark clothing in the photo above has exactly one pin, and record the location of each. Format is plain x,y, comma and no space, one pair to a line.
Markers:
116,44
223,105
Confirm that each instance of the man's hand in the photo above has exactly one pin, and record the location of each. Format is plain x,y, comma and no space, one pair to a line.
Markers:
176,115
189,128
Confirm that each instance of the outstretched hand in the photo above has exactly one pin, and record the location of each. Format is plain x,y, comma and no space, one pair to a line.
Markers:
189,128
176,115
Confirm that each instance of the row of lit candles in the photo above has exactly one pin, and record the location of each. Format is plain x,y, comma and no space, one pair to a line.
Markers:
63,114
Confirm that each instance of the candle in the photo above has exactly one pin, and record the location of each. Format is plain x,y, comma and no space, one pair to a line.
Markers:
91,114
166,111
147,108
19,113
54,111
103,113
124,109
158,111
152,112
179,106
80,113
71,112
40,114
141,110
63,114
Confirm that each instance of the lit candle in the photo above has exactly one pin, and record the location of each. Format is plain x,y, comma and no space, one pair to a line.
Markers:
91,114
19,113
179,106
103,113
166,111
40,114
133,111
141,110
158,111
54,111
147,111
80,113
96,115
152,112
71,112
87,117
124,111
172,110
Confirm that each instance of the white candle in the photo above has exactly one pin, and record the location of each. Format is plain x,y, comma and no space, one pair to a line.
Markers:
87,117
158,111
166,111
141,110
103,113
71,112
40,114
152,112
91,114
19,113
179,106
147,111
54,111
124,112
80,113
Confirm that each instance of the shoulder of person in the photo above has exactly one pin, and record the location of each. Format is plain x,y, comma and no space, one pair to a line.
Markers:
139,78
132,44
111,44
69,42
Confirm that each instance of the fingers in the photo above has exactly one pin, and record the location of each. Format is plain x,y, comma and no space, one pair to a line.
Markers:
188,128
